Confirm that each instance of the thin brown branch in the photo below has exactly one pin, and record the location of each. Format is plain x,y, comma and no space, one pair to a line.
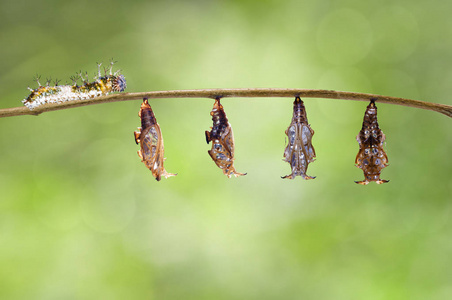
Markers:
245,93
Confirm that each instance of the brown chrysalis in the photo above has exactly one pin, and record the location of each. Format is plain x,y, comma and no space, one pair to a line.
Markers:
299,151
222,138
150,139
371,157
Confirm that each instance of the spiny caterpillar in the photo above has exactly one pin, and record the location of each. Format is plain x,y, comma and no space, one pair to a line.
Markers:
61,93
150,138
222,138
371,157
299,151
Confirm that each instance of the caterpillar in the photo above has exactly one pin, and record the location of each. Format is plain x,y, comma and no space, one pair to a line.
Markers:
222,138
299,151
103,85
371,157
149,136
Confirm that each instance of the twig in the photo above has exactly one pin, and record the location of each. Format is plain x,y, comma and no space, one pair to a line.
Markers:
245,93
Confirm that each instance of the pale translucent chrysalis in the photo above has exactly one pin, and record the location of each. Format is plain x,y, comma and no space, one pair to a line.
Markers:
299,151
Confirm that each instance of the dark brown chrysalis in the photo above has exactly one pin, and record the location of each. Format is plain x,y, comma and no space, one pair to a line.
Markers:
371,157
150,139
299,152
222,138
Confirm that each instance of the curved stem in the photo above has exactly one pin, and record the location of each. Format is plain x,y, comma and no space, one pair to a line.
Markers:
223,93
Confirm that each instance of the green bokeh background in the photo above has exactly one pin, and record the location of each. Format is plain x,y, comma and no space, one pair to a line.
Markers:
82,218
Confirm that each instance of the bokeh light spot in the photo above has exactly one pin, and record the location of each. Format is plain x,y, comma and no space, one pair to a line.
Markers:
396,33
344,37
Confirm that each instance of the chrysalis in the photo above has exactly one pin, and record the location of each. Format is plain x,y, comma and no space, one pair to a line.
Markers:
299,152
150,139
222,138
371,157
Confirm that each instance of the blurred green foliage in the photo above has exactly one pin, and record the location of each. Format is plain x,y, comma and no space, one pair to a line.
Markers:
82,218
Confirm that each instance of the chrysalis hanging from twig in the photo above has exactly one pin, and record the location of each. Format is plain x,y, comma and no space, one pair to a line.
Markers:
150,139
222,138
371,157
299,152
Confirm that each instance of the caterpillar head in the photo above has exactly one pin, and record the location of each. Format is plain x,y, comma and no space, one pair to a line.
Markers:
119,83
